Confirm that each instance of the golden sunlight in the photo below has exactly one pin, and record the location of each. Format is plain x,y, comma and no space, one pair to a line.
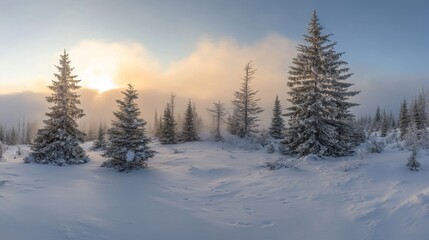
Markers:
99,82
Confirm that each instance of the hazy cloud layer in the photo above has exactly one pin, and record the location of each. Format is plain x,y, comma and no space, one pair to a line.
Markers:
210,73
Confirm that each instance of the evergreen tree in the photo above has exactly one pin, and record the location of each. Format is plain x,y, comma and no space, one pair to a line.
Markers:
189,132
413,164
419,111
246,110
168,130
128,144
277,129
319,118
58,141
2,134
377,119
100,142
233,124
155,123
159,129
217,113
13,137
384,124
404,119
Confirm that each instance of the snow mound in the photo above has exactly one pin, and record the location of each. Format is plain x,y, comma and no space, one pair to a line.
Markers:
420,200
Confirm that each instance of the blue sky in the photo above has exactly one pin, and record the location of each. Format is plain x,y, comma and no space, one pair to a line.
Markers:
386,42
390,34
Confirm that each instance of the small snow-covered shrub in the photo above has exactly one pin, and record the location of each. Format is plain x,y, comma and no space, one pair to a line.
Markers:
176,150
264,138
283,148
375,146
350,165
270,148
282,162
413,164
19,151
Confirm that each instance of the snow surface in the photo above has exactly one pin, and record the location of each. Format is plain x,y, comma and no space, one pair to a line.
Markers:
207,190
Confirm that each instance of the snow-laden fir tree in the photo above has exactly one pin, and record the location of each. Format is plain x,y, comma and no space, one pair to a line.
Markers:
404,119
246,109
58,141
277,129
412,163
377,119
418,113
384,124
155,124
128,144
100,143
319,118
189,132
218,112
168,127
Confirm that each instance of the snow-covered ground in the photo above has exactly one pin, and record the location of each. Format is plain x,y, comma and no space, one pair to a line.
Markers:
209,191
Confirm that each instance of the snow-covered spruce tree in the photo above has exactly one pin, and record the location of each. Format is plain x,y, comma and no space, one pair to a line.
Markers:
419,115
404,119
128,144
189,132
319,118
384,124
168,127
246,110
217,113
412,163
277,128
233,124
58,141
377,120
100,143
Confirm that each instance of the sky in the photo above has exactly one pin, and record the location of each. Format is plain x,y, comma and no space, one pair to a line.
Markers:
198,48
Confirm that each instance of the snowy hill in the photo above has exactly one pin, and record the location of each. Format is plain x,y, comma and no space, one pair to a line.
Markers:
208,190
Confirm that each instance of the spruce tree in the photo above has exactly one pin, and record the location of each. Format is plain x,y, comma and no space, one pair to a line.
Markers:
404,119
384,124
277,129
217,113
58,141
246,110
100,143
413,164
189,132
319,118
377,119
128,144
168,130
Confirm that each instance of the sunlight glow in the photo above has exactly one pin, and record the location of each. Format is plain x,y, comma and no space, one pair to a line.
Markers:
99,82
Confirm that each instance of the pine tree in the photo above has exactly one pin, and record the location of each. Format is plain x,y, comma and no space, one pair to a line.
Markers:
319,118
100,143
189,132
155,123
217,113
413,164
58,141
246,110
377,119
168,130
128,144
277,129
13,137
384,124
404,119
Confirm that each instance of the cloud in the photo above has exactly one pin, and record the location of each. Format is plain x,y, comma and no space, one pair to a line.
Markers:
211,72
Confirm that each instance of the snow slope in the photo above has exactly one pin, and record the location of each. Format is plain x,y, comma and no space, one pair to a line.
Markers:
209,191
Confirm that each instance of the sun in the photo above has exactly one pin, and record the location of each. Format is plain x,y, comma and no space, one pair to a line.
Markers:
99,82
